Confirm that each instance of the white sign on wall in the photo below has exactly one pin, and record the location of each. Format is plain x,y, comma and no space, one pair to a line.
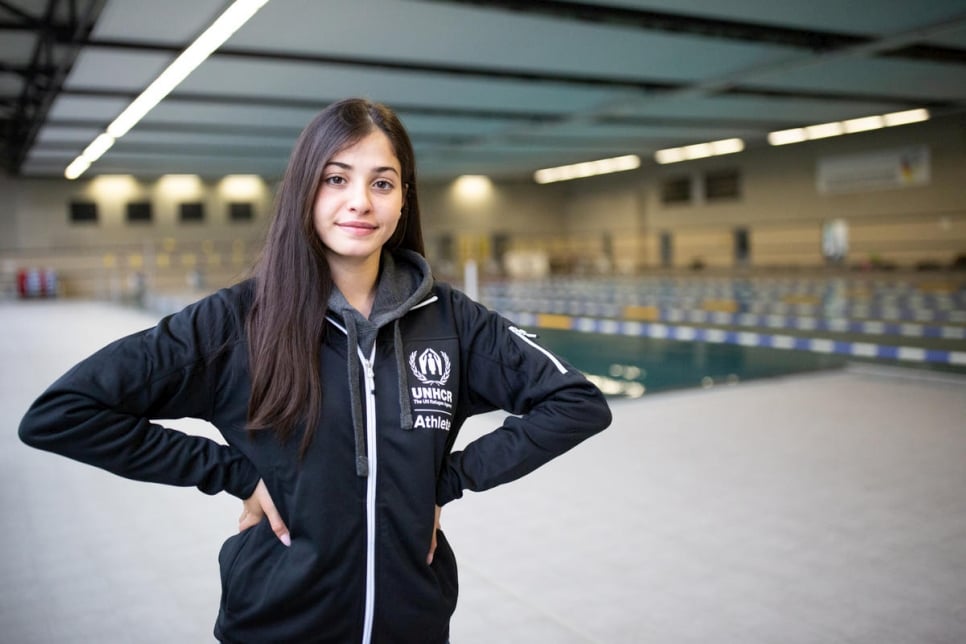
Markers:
835,240
881,170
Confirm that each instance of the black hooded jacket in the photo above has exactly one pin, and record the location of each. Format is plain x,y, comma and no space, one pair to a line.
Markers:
360,504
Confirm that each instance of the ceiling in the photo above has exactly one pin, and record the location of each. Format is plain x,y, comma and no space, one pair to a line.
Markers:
492,87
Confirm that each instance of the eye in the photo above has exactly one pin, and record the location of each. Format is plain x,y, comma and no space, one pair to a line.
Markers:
334,180
383,184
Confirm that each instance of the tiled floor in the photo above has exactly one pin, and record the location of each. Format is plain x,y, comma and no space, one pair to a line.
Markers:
820,508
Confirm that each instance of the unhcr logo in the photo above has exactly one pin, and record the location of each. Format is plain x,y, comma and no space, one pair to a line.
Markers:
430,367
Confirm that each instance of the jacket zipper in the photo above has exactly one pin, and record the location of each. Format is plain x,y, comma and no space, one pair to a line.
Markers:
523,335
370,493
370,393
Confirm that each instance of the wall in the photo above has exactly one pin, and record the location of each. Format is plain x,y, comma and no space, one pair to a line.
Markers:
614,223
518,211
113,257
600,224
784,211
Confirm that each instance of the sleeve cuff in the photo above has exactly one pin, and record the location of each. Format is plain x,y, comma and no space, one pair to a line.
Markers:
243,479
449,486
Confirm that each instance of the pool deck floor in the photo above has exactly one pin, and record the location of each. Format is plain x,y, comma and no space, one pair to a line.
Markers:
828,507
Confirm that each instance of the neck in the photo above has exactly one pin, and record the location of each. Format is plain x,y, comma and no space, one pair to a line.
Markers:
356,282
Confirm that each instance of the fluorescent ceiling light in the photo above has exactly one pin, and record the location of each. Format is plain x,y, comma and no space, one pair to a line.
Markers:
669,155
902,118
824,130
211,39
587,169
835,128
863,124
699,151
98,147
727,146
784,137
77,167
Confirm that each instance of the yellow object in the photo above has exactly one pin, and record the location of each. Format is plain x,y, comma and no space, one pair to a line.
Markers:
551,321
720,306
940,288
642,313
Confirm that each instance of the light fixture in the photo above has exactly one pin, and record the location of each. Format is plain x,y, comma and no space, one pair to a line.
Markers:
77,167
587,169
98,146
699,151
784,137
91,153
114,187
824,130
180,186
197,52
670,155
727,146
906,117
241,187
863,124
850,126
472,187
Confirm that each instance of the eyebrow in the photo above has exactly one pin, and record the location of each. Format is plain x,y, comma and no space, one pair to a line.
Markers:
346,166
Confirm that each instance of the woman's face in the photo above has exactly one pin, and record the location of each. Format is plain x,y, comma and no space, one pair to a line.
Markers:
359,201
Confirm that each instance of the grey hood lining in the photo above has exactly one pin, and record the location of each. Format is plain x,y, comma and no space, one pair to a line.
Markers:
405,282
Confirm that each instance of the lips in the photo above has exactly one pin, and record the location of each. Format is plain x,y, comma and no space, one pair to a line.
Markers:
357,227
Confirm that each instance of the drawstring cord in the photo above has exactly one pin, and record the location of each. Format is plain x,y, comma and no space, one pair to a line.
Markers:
405,410
352,349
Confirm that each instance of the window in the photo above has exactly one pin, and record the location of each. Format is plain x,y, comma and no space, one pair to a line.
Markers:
722,184
241,211
139,212
83,212
676,190
192,211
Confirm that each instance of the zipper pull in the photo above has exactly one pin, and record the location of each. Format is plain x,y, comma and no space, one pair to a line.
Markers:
370,376
523,334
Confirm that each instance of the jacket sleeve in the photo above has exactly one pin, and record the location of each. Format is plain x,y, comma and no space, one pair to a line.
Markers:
554,406
100,412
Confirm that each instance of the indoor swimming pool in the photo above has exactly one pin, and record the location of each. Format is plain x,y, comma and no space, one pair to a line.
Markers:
655,334
625,366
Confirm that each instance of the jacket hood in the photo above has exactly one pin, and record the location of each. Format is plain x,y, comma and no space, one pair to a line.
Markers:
405,280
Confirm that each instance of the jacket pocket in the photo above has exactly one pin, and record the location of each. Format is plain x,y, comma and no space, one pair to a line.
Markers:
228,555
444,568
248,561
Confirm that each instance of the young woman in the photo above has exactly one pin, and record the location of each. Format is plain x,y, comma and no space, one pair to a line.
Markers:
339,376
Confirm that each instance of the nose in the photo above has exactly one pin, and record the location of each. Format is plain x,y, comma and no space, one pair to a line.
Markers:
359,199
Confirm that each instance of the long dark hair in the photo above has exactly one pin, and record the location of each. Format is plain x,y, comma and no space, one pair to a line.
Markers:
292,279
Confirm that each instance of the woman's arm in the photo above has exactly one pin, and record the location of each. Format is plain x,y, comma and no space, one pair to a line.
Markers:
101,411
555,406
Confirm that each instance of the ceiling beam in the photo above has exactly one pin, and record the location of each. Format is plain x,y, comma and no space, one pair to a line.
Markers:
312,104
814,40
44,77
462,71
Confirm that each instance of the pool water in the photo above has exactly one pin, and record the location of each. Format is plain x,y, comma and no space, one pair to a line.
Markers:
625,366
